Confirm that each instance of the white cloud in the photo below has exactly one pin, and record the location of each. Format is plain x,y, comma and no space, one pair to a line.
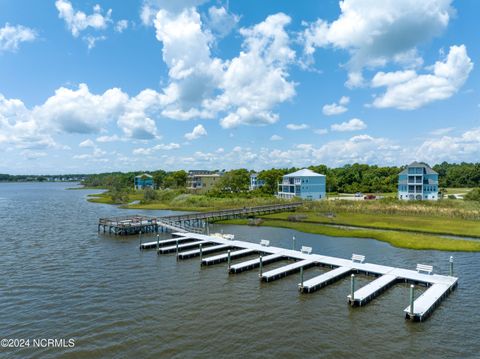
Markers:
197,132
244,90
12,36
121,26
80,111
92,40
295,127
336,109
77,21
87,143
104,139
150,8
407,90
160,147
465,147
220,21
377,32
354,124
276,138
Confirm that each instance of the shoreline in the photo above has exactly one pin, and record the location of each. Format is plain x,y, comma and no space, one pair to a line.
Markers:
416,241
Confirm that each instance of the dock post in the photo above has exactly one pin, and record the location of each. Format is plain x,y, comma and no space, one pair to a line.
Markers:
352,289
301,277
261,267
177,249
201,254
229,260
140,238
293,243
451,266
158,244
412,292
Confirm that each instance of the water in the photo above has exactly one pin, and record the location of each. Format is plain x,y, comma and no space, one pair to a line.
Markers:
60,279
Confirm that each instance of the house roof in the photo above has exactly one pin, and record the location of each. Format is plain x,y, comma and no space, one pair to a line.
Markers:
144,175
304,173
428,169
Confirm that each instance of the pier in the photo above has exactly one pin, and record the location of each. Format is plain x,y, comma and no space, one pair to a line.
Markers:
439,286
194,222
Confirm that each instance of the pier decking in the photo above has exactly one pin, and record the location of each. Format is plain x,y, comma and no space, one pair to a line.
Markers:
439,286
224,257
324,279
191,223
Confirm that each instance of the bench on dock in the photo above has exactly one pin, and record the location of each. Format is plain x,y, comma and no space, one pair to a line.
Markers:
358,258
306,250
264,243
424,268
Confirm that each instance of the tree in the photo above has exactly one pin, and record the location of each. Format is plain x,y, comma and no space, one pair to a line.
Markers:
234,181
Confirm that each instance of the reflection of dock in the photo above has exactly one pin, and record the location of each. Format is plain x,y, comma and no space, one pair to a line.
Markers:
439,286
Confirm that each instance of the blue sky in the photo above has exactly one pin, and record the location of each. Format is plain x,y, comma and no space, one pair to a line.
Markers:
93,86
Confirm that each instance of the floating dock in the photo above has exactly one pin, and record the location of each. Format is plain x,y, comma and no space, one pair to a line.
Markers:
439,286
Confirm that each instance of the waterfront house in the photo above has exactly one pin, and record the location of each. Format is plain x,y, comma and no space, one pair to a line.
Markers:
255,182
143,181
202,181
305,184
418,182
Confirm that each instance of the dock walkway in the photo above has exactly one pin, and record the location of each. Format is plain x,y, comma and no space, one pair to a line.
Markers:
439,286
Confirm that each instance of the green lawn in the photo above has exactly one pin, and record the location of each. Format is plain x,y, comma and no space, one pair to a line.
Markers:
435,225
397,239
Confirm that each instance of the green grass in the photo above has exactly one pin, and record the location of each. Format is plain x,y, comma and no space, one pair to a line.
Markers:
422,224
397,239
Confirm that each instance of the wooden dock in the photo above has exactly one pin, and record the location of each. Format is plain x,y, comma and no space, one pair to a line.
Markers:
191,223
439,286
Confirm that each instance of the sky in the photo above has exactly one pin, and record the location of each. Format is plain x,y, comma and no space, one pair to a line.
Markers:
101,86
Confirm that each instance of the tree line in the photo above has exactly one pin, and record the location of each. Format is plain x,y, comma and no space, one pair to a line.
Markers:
347,179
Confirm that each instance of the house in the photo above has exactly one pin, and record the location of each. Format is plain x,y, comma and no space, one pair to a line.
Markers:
143,181
418,182
255,183
305,184
200,181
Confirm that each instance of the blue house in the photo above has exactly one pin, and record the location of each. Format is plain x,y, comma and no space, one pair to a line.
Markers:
255,182
143,181
418,182
305,184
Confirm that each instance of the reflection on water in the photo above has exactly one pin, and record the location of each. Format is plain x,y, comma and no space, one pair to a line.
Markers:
60,279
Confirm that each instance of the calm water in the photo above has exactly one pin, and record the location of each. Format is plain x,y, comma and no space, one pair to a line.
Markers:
60,279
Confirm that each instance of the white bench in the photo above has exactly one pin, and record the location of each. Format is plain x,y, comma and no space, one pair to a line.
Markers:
264,243
306,250
358,258
424,268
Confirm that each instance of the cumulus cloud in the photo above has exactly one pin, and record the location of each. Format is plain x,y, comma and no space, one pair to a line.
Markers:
295,127
407,90
244,90
78,21
378,32
150,8
336,109
12,36
197,132
121,26
354,124
465,147
276,138
220,21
